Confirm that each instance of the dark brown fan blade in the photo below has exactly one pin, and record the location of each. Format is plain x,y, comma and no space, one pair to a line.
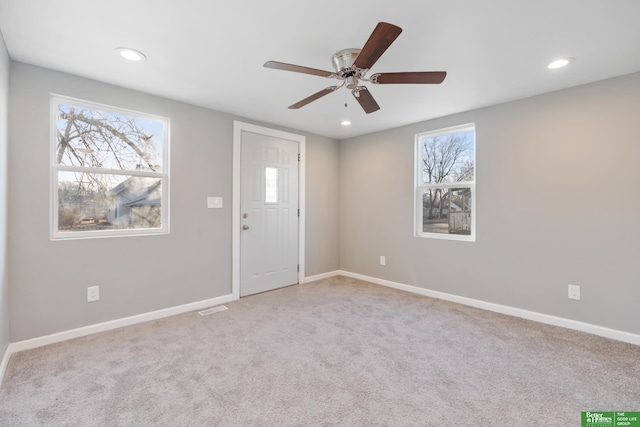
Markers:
296,68
313,97
365,99
383,35
424,77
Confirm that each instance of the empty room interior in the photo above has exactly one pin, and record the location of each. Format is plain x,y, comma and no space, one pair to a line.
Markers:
285,213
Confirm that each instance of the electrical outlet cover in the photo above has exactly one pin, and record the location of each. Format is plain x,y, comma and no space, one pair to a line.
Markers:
93,293
574,292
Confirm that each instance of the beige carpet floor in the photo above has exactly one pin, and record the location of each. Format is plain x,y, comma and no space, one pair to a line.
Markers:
333,352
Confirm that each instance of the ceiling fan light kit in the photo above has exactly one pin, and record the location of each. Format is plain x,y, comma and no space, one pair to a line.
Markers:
352,65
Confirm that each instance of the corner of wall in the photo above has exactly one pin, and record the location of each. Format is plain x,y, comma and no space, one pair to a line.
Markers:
4,283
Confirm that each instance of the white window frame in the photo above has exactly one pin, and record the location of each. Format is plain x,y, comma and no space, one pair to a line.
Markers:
420,187
55,100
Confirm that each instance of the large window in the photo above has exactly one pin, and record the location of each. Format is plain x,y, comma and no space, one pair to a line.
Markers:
445,183
109,171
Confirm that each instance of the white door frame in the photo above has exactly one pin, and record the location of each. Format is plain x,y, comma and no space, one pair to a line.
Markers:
238,128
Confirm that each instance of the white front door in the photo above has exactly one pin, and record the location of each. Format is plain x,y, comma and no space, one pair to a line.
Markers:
268,212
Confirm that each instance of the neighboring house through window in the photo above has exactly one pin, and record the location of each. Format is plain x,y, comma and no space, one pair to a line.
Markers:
445,183
109,171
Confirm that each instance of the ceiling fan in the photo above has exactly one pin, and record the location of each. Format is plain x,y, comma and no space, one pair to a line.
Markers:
352,65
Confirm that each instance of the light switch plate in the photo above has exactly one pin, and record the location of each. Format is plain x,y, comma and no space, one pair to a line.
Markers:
214,202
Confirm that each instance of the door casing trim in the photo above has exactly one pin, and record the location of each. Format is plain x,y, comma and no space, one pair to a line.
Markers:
238,128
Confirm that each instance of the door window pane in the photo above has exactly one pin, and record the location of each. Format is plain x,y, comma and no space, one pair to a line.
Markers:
271,185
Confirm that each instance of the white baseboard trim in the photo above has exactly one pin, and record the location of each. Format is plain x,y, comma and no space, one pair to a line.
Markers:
4,363
320,277
172,311
503,309
118,323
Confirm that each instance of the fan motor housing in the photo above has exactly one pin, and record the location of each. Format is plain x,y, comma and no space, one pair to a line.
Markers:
343,63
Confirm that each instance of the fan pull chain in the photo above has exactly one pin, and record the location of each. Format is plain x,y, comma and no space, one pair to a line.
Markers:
345,97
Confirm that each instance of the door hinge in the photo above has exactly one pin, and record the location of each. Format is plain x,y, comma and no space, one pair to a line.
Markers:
298,212
298,268
298,156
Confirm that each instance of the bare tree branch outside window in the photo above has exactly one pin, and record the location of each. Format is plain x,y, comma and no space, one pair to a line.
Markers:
447,159
109,169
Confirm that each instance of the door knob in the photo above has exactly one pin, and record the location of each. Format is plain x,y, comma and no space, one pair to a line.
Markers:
245,227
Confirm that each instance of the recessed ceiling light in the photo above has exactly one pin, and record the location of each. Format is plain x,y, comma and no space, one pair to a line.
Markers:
559,63
345,123
131,54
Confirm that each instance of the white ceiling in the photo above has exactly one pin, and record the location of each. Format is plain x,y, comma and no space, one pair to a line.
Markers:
210,53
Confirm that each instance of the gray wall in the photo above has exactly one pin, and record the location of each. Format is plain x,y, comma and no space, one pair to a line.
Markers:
557,203
555,206
322,206
4,284
48,279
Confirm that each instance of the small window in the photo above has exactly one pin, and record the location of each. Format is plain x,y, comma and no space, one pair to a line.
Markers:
109,171
271,185
445,183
